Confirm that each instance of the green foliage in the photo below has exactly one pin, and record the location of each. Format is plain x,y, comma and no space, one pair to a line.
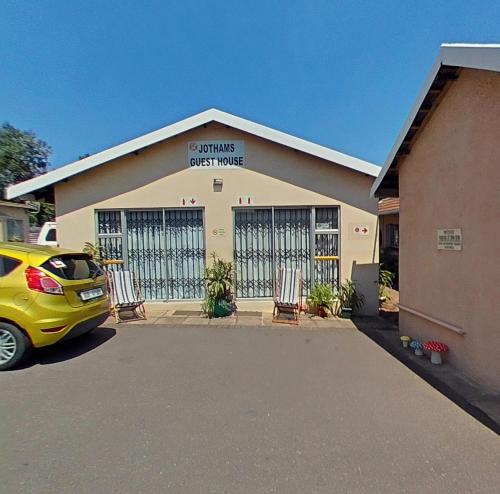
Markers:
349,297
219,278
47,213
208,305
321,296
95,251
385,280
22,155
219,284
389,259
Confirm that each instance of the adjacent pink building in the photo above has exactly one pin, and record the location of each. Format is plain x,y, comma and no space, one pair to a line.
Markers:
445,168
388,216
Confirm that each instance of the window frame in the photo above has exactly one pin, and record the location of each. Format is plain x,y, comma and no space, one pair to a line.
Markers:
15,259
19,224
393,235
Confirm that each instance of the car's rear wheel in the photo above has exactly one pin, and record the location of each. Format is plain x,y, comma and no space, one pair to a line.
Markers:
14,346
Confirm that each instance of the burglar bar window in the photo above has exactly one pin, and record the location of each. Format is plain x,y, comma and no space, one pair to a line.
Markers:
327,219
393,235
15,231
326,245
109,234
109,222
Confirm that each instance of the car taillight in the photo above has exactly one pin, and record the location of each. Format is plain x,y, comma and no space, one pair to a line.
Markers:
40,282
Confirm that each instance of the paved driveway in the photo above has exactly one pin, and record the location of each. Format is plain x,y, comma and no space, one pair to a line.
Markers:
158,409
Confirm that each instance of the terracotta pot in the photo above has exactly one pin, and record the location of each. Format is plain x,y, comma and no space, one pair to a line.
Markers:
322,312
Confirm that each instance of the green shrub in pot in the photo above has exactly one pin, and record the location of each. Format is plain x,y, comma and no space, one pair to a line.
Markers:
350,299
321,299
219,285
96,252
385,280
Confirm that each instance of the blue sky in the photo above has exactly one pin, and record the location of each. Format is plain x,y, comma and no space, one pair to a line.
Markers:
86,75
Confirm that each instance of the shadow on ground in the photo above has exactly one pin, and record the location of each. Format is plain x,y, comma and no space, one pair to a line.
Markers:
70,349
452,388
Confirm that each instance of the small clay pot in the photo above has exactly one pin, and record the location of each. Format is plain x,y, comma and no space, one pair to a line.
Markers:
322,312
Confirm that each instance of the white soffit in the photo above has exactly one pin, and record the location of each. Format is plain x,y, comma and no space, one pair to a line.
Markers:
212,115
470,56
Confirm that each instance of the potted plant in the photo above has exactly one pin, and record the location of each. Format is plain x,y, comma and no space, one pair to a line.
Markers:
350,299
321,299
98,255
96,252
385,280
219,284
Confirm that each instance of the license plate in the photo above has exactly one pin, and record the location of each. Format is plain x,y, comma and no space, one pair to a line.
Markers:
90,294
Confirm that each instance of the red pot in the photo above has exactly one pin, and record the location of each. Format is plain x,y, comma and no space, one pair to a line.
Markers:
322,312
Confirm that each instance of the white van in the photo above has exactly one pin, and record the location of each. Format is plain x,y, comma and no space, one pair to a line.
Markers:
48,234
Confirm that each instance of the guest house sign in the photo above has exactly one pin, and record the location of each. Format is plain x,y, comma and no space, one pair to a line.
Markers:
216,154
449,239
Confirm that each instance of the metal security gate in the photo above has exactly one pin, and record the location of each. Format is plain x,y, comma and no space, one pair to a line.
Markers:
267,238
292,241
164,248
145,254
185,253
253,252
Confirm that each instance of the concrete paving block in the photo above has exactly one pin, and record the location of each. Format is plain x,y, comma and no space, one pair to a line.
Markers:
196,321
223,321
170,321
249,321
136,322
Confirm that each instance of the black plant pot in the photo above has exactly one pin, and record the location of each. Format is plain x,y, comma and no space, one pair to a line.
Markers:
346,313
221,310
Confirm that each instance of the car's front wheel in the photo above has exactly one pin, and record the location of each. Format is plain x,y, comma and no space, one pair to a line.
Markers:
14,346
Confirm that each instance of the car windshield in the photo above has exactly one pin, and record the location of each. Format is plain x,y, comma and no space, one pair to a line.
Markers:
51,235
73,267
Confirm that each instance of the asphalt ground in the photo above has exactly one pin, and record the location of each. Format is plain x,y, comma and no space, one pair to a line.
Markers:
154,409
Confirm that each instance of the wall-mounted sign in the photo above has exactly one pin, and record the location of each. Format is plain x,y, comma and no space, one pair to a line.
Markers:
219,232
189,201
244,201
216,154
361,230
449,239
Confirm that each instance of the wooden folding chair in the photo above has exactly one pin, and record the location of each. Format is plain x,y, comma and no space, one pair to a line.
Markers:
125,295
287,295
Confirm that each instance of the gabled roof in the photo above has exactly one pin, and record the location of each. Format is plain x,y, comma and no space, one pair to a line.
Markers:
451,58
185,125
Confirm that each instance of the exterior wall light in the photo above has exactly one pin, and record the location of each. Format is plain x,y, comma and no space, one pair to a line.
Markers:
217,183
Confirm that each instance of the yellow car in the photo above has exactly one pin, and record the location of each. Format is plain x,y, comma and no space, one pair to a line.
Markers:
47,295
